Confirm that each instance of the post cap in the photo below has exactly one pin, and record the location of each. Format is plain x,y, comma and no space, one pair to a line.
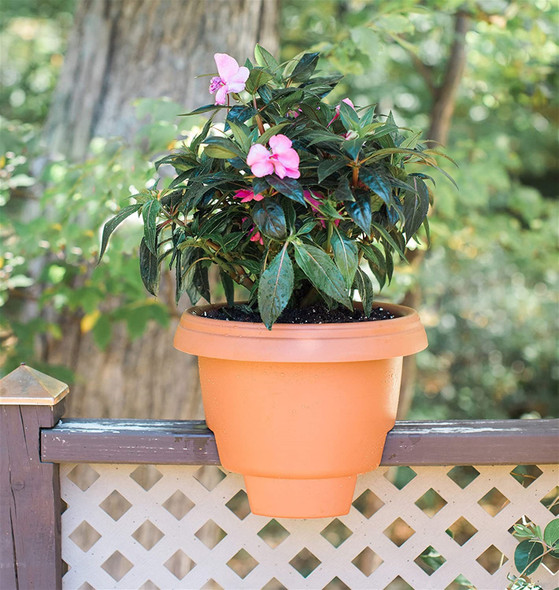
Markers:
28,387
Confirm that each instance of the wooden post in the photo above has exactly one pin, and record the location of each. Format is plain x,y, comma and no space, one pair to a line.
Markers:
30,547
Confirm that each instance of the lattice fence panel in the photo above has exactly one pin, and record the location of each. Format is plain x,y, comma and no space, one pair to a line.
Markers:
169,527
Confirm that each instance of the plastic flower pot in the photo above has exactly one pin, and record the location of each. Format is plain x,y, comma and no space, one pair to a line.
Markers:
300,410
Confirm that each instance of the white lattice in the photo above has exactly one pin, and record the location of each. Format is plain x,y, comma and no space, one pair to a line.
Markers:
186,527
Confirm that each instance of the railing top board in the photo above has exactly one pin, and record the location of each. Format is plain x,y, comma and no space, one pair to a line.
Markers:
483,442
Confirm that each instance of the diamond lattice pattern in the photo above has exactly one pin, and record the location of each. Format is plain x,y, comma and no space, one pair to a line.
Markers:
178,527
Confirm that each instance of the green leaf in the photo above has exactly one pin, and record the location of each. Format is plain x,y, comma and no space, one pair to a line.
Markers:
265,59
203,109
149,268
270,219
377,182
263,139
345,255
288,187
322,272
551,535
382,231
305,68
360,211
228,287
195,143
364,287
257,78
527,557
113,223
241,133
275,287
343,191
416,207
328,167
149,214
349,118
240,114
222,148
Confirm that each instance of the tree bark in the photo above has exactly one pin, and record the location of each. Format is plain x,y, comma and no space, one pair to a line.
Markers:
444,101
121,50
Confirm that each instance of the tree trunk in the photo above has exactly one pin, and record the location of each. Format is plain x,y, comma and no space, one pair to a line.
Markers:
121,50
444,100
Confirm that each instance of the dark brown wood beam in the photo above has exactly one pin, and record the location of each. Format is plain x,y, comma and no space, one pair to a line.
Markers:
485,442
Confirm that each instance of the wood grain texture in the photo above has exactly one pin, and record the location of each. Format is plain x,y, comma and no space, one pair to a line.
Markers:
486,442
30,548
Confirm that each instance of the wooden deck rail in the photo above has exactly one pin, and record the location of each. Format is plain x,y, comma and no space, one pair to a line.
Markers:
483,442
34,441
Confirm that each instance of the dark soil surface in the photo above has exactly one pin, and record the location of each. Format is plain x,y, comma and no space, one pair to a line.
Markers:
314,314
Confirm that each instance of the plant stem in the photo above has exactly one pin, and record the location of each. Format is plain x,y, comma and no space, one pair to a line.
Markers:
258,117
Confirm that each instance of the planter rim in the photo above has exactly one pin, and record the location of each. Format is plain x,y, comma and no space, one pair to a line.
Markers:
308,343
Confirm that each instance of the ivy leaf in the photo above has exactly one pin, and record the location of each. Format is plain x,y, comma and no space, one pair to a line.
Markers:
149,268
270,219
527,557
328,167
322,272
113,223
288,187
149,214
360,211
305,68
275,287
377,182
345,255
364,287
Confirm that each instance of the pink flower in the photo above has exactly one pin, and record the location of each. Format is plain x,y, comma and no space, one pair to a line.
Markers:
247,195
283,159
315,204
348,102
231,77
256,235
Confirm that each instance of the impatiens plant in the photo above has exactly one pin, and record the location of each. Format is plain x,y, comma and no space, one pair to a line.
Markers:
288,197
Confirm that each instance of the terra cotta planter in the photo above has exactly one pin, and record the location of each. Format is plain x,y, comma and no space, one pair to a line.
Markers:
300,410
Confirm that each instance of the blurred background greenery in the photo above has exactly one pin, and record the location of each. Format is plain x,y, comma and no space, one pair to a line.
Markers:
488,286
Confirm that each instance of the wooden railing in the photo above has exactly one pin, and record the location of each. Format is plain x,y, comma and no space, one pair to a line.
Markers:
145,504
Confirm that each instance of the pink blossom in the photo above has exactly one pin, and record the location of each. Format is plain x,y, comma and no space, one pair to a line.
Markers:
315,204
247,195
348,102
256,235
231,77
283,159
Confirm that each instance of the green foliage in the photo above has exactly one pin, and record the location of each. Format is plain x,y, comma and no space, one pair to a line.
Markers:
489,281
61,227
529,553
382,203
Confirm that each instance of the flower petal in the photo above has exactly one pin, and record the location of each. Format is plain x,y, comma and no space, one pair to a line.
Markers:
227,66
279,143
221,95
257,153
262,168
